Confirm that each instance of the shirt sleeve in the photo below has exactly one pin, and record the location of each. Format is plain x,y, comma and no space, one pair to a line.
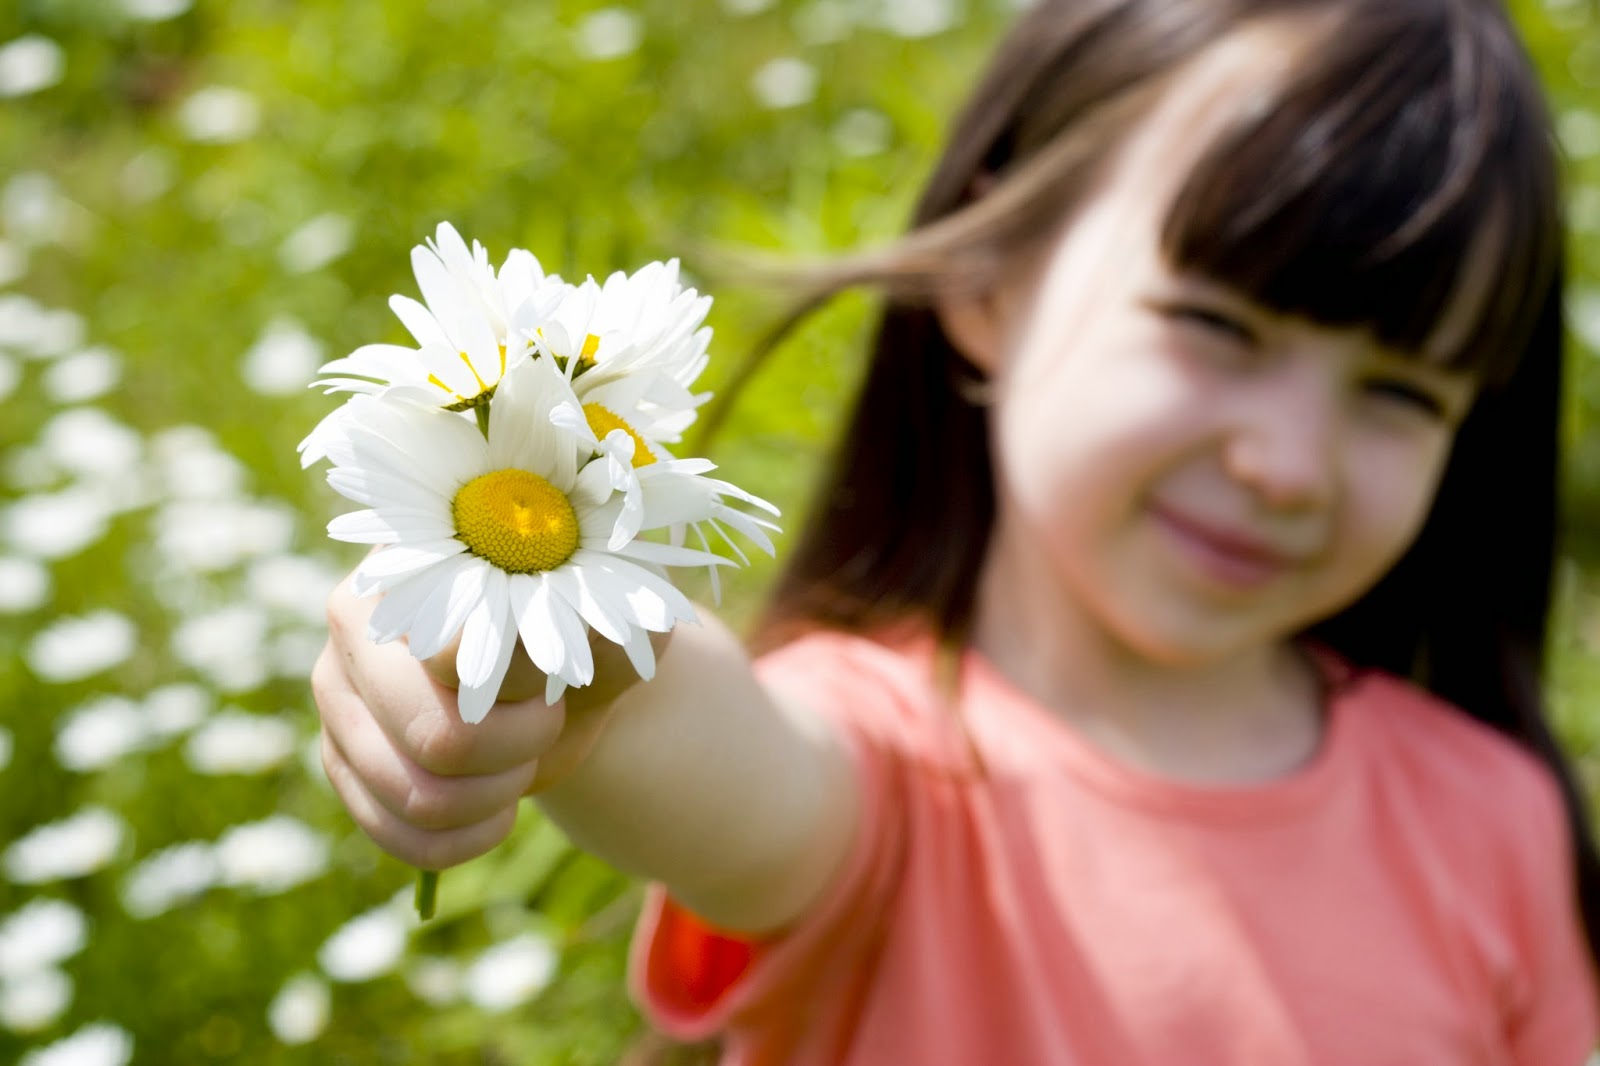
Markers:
1554,1018
692,980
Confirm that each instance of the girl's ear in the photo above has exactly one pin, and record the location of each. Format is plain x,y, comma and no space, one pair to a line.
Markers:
975,323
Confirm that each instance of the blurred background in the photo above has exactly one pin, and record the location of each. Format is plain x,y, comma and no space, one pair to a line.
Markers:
202,201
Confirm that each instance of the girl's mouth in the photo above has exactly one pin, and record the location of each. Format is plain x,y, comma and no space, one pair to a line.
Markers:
1228,556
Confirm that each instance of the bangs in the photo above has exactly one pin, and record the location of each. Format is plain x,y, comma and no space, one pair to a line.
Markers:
1399,145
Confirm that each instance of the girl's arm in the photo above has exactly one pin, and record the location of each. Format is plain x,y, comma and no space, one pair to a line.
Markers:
742,802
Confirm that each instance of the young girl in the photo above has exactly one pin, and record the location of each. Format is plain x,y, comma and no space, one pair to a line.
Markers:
1158,680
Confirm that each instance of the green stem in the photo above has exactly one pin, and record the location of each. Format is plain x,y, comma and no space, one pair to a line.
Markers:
482,411
427,893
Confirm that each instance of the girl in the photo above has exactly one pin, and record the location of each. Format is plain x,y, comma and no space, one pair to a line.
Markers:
1158,680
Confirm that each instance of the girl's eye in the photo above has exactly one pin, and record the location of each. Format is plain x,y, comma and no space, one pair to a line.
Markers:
1220,323
1405,393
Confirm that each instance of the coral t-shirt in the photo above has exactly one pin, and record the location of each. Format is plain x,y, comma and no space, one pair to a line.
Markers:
1403,899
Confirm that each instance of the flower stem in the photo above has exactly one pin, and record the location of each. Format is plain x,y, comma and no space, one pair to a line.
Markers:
482,411
427,893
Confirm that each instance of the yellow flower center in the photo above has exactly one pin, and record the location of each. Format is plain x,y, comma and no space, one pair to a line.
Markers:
602,421
591,345
516,520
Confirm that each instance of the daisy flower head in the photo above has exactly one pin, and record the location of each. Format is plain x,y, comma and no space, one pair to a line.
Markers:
471,326
632,348
500,537
663,492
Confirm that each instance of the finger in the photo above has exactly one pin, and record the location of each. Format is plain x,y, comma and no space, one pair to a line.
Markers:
423,848
406,790
420,716
523,680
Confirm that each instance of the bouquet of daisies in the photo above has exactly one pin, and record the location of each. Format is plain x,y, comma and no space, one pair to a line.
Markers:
515,466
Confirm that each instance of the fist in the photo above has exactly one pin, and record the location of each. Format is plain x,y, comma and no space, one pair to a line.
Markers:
428,788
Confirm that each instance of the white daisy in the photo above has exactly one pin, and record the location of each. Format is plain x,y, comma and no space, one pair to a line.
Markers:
632,348
672,491
473,325
499,537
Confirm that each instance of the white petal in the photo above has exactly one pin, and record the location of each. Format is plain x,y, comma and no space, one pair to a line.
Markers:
387,568
664,554
459,589
389,526
419,322
577,586
397,610
641,654
530,603
487,642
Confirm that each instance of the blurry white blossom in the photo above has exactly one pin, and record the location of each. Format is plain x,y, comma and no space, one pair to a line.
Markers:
919,18
90,443
35,212
82,376
272,855
218,114
146,176
608,33
73,847
434,979
24,584
297,585
34,1000
19,318
98,733
43,933
785,82
509,974
283,360
234,742
299,1012
175,708
192,466
99,1044
170,877
26,327
29,64
155,10
367,946
76,647
294,652
861,132
225,645
313,246
1579,132
55,525
208,536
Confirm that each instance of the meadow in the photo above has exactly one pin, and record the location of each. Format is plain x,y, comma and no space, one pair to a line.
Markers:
201,202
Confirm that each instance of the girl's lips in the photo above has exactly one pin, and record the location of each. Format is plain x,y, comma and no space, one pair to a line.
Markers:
1227,556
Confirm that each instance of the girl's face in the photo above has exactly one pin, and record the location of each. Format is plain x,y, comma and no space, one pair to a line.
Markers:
1196,474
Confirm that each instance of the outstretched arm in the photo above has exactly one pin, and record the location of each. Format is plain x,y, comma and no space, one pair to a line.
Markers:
740,800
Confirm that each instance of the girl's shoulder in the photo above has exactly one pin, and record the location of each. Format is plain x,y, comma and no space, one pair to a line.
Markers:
1460,768
884,686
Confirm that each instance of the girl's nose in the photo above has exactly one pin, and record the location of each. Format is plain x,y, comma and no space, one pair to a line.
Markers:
1283,445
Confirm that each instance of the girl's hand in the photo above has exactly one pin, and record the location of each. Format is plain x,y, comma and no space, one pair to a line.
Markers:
428,788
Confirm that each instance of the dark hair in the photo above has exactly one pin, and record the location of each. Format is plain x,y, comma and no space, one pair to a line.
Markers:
1411,140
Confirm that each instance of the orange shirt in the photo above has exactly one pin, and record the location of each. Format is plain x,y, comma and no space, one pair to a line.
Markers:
1404,899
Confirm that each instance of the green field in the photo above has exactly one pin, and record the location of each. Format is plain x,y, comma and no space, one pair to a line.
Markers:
201,202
